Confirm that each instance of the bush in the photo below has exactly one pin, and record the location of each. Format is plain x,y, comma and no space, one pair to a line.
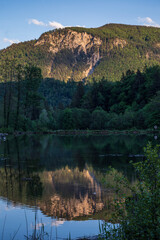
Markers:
65,119
138,215
99,119
82,118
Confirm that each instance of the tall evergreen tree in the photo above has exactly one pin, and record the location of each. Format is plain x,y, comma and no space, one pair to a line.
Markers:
78,96
33,98
19,78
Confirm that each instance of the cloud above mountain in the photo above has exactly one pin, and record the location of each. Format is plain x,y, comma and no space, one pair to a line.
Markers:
52,24
36,22
11,41
147,21
55,25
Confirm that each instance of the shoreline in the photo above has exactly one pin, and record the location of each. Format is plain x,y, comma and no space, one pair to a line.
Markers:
84,132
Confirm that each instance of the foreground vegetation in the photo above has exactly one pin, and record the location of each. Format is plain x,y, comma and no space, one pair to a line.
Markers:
138,215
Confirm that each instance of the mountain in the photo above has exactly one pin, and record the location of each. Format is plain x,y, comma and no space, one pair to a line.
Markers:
78,53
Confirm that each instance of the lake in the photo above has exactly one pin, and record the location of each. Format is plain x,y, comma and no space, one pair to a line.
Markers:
55,185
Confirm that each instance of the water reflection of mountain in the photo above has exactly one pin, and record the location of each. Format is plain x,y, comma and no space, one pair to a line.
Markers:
76,194
33,170
67,193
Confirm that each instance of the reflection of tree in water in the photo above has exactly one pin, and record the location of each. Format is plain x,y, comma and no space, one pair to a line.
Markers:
79,156
52,152
14,186
17,180
34,186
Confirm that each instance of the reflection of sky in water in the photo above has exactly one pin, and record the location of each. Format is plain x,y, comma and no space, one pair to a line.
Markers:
15,219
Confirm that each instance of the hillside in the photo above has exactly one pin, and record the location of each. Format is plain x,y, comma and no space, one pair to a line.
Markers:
78,53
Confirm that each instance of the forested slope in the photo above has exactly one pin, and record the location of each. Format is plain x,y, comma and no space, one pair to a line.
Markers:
90,53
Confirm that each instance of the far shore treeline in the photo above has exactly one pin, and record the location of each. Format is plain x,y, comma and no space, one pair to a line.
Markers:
30,103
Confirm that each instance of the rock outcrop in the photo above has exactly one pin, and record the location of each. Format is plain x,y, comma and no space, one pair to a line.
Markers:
81,47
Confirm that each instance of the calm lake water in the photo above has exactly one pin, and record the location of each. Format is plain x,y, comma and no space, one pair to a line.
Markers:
55,184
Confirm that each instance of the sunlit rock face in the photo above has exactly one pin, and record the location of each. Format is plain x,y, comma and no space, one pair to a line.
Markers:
74,194
82,51
69,40
74,54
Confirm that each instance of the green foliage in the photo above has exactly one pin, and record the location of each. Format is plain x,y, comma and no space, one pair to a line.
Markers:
82,118
43,117
98,95
151,111
57,94
32,97
65,119
78,96
139,214
132,33
99,119
30,103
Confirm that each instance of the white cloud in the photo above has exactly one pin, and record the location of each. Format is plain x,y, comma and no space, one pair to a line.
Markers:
81,26
55,25
11,41
53,223
147,21
57,223
52,24
38,225
36,22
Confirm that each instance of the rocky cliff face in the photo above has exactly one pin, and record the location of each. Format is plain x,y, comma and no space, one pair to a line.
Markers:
83,50
71,40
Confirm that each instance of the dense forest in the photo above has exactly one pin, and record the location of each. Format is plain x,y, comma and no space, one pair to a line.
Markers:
30,103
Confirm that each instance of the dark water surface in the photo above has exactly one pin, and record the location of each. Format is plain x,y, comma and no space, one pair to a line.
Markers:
55,184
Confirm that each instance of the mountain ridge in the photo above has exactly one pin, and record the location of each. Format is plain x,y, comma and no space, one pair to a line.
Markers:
77,53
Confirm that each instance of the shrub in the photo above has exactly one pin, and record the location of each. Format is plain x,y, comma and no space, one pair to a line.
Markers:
138,215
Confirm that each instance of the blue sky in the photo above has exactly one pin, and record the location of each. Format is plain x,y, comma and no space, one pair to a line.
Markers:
22,20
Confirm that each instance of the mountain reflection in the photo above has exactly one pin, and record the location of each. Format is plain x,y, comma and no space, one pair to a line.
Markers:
74,194
62,175
64,193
